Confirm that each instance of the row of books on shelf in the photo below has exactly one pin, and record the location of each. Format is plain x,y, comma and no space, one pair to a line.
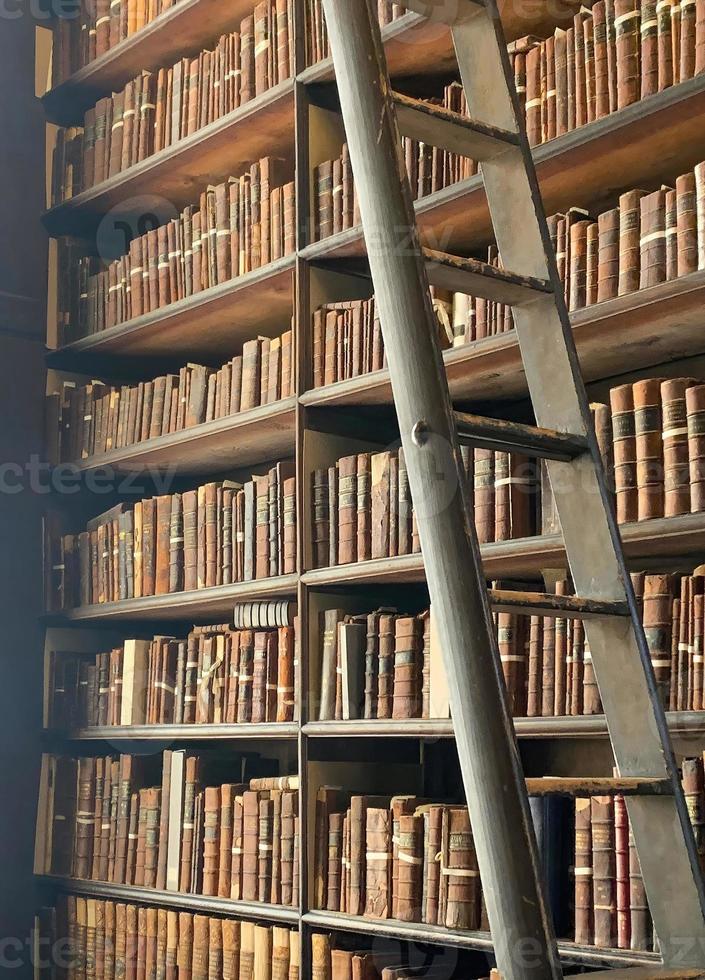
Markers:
90,419
217,534
97,27
413,860
240,225
216,675
329,962
88,937
170,822
157,109
389,665
648,238
616,53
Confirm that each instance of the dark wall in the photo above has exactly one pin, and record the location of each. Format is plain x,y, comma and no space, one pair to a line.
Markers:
22,332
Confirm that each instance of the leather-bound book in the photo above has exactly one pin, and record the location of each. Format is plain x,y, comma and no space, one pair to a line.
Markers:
510,640
231,949
347,510
199,962
649,448
321,957
377,860
285,674
329,659
627,30
211,850
649,49
686,224
364,507
675,446
250,840
608,254
533,96
671,223
603,869
535,667
410,868
463,897
190,791
621,844
583,871
385,666
259,679
624,442
657,616
152,801
334,863
484,494
288,821
371,665
652,239
184,955
629,239
668,32
695,409
85,819
408,641
381,484
640,929
548,659
150,945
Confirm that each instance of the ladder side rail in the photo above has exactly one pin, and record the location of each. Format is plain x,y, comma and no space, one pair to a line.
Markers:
635,716
525,946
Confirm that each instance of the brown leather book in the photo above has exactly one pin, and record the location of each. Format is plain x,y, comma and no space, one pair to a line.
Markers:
657,617
695,408
211,849
583,871
652,239
250,840
686,224
408,641
199,962
184,954
385,666
410,868
335,862
347,510
463,899
377,860
608,254
624,442
231,949
621,845
364,507
629,239
675,446
627,30
321,957
285,674
603,870
484,492
171,952
649,49
648,428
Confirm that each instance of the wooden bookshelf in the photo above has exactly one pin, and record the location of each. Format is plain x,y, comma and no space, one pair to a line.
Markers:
638,330
417,932
183,29
177,733
263,126
642,145
225,315
175,900
210,604
262,433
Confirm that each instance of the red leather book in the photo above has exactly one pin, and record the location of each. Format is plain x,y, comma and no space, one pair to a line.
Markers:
648,427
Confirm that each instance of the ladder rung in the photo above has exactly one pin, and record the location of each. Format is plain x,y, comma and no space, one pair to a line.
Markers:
481,279
449,130
515,437
556,606
443,10
607,786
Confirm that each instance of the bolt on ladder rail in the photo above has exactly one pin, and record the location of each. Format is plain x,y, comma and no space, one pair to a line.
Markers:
401,270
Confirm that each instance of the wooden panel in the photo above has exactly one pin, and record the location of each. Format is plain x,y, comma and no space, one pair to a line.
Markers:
169,733
262,127
263,433
183,29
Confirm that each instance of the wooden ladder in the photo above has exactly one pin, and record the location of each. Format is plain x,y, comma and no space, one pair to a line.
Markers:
375,118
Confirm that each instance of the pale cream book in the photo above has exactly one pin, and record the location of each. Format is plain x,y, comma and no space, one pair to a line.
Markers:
176,812
438,691
135,661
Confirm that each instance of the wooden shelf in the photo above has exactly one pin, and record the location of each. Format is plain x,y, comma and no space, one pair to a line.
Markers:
200,604
648,327
641,145
262,433
184,29
580,726
176,733
664,541
264,126
174,900
210,324
417,932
